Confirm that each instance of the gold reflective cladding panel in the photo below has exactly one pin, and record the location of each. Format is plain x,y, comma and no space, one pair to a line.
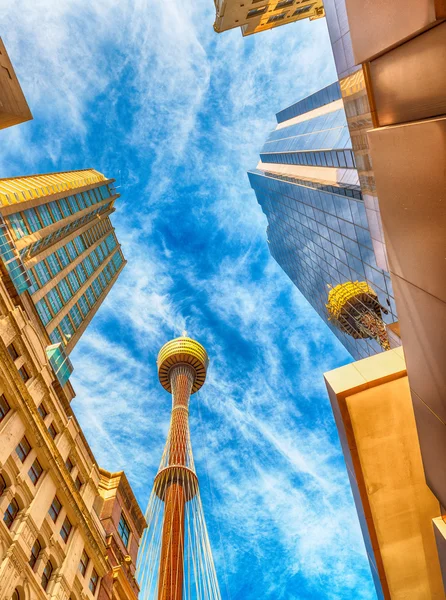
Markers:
21,189
182,350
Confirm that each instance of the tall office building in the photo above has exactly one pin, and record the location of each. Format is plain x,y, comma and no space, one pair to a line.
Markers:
58,243
261,15
308,186
401,48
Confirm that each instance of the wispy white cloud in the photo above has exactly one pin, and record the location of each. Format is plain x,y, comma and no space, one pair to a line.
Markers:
147,92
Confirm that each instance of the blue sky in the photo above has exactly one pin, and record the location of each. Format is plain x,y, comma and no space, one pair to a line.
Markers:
146,92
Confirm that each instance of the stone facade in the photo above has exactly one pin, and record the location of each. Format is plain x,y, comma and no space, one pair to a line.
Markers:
59,513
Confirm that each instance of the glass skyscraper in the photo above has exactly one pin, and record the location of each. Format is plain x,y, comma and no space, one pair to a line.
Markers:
308,187
57,243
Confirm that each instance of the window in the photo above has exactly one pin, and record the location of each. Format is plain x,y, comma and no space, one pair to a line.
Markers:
284,3
54,301
35,551
44,311
55,211
94,579
15,595
66,327
33,221
301,11
2,485
42,272
52,431
83,564
44,214
76,316
23,449
24,374
63,257
18,225
42,410
124,530
66,528
11,513
12,352
4,408
55,508
46,575
35,471
69,464
65,290
78,483
74,283
255,12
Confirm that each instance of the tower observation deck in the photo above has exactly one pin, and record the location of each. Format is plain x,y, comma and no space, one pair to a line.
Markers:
175,561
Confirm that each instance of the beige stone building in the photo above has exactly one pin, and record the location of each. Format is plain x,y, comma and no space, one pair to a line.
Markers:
56,539
254,16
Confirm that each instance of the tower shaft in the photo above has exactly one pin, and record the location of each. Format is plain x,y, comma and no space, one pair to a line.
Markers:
171,571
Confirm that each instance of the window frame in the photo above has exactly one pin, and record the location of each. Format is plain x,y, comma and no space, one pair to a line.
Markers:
34,557
35,471
56,512
25,449
127,530
12,514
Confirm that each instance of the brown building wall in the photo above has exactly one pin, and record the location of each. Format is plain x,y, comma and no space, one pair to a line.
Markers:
13,106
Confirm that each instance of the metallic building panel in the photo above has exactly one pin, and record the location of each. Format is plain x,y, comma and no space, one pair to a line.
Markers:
395,21
440,537
409,83
422,320
372,398
409,165
432,438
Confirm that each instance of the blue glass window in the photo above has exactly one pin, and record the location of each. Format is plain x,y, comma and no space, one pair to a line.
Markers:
76,316
71,251
81,273
54,301
66,327
90,296
44,311
73,204
65,290
74,283
55,336
18,225
55,211
64,207
96,288
33,220
53,264
63,257
44,214
42,273
88,266
83,305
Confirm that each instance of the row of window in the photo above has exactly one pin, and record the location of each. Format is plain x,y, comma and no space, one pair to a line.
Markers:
32,219
54,301
62,293
257,12
344,159
49,267
40,245
72,321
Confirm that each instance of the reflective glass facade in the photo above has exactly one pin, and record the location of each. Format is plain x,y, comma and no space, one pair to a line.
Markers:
63,238
317,229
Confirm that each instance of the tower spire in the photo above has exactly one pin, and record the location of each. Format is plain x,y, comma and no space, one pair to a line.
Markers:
175,561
